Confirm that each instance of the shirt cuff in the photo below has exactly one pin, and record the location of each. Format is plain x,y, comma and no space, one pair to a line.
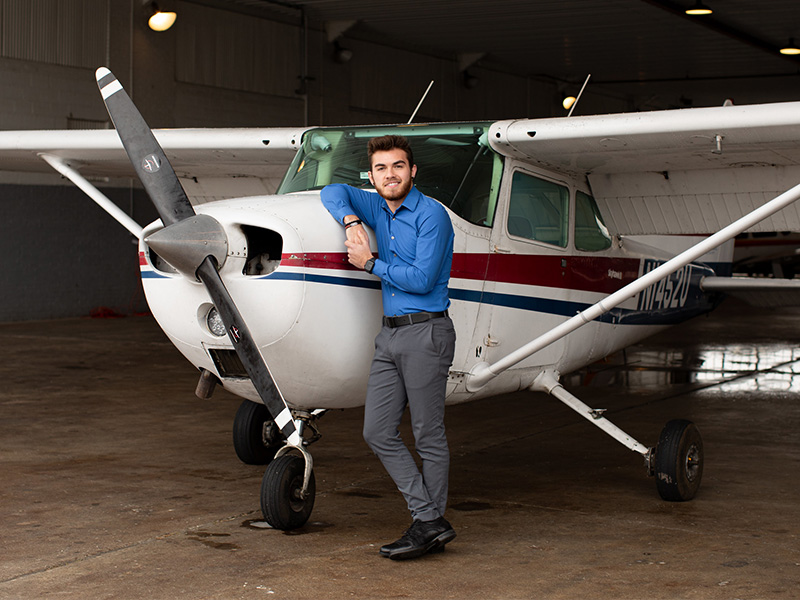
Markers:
379,270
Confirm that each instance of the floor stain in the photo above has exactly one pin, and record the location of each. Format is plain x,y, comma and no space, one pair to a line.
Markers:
360,494
309,528
256,524
206,538
471,506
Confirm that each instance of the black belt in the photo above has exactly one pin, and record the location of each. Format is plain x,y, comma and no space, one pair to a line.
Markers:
412,318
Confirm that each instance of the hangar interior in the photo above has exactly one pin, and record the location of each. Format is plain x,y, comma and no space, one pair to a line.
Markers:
120,483
238,63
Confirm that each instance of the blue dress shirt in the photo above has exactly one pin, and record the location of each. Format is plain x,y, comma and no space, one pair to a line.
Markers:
415,246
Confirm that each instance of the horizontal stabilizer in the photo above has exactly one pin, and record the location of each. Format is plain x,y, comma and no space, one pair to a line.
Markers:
756,291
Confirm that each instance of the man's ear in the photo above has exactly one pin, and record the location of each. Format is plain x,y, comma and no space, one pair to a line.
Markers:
413,171
369,174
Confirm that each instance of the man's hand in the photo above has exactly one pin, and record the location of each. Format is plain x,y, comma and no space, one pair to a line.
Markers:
358,250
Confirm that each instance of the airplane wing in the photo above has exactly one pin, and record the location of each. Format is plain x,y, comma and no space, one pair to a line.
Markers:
248,160
756,291
687,171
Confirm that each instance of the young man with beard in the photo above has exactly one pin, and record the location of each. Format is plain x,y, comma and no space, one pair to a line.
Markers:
414,349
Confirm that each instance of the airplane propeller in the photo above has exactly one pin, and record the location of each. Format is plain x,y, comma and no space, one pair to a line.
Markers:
196,245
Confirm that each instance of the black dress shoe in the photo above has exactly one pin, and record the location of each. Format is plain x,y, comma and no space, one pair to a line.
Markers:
421,538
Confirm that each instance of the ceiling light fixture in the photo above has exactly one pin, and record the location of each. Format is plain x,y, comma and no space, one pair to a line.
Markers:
157,19
341,54
698,9
470,81
791,49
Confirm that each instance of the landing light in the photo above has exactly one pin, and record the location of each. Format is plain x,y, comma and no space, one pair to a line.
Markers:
214,323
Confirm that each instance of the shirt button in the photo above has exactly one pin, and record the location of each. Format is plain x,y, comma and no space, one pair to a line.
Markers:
392,294
392,237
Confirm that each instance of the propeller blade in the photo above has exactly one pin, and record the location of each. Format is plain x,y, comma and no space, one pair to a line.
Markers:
147,157
248,352
169,198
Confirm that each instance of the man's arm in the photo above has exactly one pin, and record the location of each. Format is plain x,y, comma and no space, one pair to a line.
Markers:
346,203
350,206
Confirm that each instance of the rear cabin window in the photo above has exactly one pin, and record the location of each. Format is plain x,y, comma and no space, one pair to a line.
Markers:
591,233
538,210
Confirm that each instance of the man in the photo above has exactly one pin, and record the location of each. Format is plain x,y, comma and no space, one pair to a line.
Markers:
414,349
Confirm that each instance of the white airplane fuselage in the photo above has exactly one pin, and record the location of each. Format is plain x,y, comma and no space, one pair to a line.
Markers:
314,316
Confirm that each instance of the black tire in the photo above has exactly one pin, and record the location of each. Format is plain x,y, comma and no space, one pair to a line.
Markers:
256,438
281,504
679,461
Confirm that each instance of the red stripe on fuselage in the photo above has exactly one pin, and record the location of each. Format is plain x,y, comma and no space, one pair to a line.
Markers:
789,242
587,273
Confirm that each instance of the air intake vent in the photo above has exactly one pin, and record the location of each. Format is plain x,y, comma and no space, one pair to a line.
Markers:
228,364
264,248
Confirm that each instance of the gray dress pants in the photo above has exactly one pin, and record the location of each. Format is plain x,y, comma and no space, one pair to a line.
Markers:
410,368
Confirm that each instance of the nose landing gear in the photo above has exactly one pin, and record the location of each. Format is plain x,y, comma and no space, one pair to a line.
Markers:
288,488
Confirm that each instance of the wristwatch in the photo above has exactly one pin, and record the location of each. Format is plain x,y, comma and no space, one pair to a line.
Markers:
369,265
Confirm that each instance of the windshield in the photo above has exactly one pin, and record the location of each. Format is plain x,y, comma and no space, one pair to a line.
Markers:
455,164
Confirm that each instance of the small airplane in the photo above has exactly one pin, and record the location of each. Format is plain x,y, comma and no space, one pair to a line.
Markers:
575,237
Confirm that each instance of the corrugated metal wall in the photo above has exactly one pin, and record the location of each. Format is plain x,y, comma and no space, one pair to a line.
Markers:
236,52
71,33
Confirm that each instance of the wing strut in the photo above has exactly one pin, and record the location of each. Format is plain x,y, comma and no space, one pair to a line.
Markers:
60,165
482,373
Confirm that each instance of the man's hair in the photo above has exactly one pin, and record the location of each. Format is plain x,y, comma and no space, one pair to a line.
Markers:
389,142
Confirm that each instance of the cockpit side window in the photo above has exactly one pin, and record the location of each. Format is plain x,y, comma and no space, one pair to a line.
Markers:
475,199
591,233
538,210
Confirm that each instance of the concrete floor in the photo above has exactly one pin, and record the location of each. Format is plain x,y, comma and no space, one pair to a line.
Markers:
119,483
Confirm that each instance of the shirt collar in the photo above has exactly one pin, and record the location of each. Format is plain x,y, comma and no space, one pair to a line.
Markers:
411,201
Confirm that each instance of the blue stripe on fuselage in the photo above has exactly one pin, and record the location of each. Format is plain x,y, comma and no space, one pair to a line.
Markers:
565,308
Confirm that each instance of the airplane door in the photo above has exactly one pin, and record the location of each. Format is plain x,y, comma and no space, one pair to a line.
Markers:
525,293
467,282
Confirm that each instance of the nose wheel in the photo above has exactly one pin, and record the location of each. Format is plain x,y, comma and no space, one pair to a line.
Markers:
284,503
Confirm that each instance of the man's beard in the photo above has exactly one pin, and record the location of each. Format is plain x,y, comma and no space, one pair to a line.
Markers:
398,193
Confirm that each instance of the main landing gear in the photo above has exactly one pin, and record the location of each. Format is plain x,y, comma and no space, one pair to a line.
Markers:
256,437
288,488
676,461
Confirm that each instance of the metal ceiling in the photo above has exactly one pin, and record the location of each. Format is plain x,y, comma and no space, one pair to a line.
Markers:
618,41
